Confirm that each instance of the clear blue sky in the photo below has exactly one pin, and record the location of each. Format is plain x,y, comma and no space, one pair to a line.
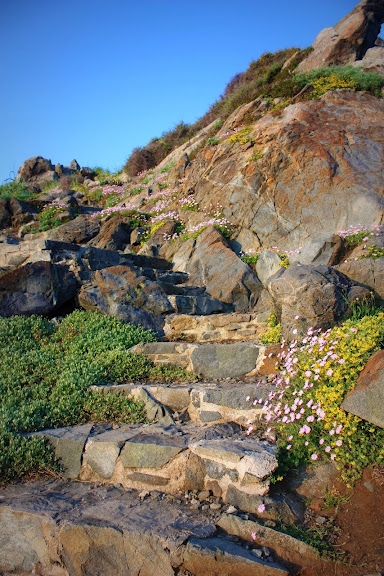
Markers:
93,79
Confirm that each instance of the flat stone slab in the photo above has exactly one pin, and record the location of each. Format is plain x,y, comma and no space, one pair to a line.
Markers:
109,530
69,445
62,527
217,556
210,361
205,402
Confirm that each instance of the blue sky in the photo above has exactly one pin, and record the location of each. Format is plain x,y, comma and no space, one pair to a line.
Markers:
93,79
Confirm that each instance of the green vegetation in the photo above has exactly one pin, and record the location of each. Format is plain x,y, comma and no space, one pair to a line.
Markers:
249,258
284,263
256,155
47,372
273,334
305,410
319,536
332,78
48,218
15,189
374,252
213,141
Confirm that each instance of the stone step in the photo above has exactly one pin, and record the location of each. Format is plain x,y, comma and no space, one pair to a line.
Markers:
62,527
181,289
171,459
210,360
213,328
201,304
201,402
172,276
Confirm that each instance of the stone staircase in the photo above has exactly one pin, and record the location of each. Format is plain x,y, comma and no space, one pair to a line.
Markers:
186,494
177,496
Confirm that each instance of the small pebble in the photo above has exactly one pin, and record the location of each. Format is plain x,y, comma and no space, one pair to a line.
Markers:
257,552
143,494
205,507
231,510
265,551
320,520
215,506
203,495
270,524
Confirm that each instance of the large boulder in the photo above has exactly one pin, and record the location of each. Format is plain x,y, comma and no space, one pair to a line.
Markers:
22,212
77,231
114,234
312,296
5,214
349,39
210,262
37,171
36,288
125,292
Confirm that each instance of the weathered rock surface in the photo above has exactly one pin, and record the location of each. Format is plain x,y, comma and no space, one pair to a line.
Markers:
65,528
5,214
366,400
207,360
208,259
310,180
215,556
36,171
36,288
114,234
312,296
349,39
77,231
128,294
213,328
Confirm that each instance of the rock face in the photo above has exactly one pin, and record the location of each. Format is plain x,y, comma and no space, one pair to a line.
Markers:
367,398
349,39
309,182
209,260
36,288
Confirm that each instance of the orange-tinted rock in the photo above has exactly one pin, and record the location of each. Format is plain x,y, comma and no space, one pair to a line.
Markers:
349,39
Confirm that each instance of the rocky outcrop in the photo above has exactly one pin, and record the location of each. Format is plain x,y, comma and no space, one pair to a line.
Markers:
307,182
37,171
209,260
349,40
36,288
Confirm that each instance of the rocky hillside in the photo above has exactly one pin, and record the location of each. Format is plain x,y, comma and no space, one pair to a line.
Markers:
267,222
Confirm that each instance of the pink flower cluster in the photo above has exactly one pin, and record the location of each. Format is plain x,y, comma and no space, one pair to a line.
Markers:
291,402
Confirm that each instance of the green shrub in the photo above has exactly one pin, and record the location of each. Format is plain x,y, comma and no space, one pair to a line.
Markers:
324,79
213,141
15,189
46,376
48,218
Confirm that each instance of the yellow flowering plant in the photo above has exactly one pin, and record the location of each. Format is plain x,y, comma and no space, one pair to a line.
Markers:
305,407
